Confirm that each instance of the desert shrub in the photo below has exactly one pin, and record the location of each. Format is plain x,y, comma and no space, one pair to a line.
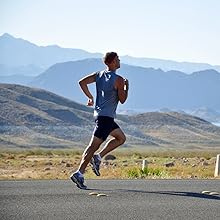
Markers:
147,172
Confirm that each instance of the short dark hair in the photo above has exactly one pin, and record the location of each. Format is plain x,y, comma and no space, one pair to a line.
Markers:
109,57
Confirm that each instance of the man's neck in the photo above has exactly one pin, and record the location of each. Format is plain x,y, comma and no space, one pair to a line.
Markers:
111,69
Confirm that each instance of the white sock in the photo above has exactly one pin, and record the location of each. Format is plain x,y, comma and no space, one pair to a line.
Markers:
80,174
100,158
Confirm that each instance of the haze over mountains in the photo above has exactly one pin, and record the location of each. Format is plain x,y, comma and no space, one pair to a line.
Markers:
18,56
16,52
167,65
38,118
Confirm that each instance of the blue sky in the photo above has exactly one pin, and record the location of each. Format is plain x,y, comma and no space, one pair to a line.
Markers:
187,30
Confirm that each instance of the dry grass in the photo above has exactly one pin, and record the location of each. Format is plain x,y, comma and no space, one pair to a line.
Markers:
59,164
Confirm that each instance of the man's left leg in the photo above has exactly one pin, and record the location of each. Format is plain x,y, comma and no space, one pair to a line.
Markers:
77,177
117,140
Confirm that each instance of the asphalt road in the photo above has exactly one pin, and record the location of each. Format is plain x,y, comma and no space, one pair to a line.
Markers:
126,199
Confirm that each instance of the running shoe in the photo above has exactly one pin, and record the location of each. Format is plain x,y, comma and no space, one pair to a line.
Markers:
78,180
95,162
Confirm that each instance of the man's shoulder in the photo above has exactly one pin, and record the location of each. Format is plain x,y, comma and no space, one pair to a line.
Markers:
119,78
119,82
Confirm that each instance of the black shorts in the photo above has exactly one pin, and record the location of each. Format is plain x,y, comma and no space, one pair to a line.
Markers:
104,126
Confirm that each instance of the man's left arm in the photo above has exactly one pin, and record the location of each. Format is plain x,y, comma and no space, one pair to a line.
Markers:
122,85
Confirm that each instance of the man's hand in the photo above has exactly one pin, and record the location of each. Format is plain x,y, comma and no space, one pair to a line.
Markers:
90,102
126,85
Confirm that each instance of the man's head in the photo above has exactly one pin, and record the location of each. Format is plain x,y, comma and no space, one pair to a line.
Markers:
111,60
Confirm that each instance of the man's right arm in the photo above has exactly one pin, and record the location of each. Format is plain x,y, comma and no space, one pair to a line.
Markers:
84,86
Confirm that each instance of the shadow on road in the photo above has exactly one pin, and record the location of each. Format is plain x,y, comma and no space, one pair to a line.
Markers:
172,193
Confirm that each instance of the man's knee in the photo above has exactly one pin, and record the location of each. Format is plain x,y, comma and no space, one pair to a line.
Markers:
119,135
121,139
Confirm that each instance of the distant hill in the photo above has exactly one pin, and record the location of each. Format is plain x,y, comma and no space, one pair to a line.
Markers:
149,88
16,79
19,56
32,117
17,53
207,113
167,65
62,78
27,70
178,129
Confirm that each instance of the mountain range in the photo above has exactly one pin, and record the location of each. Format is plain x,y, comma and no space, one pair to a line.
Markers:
31,117
16,53
19,56
154,83
150,88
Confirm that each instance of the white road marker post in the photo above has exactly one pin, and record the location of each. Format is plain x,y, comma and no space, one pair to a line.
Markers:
217,166
144,164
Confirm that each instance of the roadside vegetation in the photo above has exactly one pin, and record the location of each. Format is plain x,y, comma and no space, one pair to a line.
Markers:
59,163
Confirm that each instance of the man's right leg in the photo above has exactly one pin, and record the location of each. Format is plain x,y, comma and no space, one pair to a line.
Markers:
77,177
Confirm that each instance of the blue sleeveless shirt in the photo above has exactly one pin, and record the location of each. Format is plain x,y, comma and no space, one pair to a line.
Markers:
106,94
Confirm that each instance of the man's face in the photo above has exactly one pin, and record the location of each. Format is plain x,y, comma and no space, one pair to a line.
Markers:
117,62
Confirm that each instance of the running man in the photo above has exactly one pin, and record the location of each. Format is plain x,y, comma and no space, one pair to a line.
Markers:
110,89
